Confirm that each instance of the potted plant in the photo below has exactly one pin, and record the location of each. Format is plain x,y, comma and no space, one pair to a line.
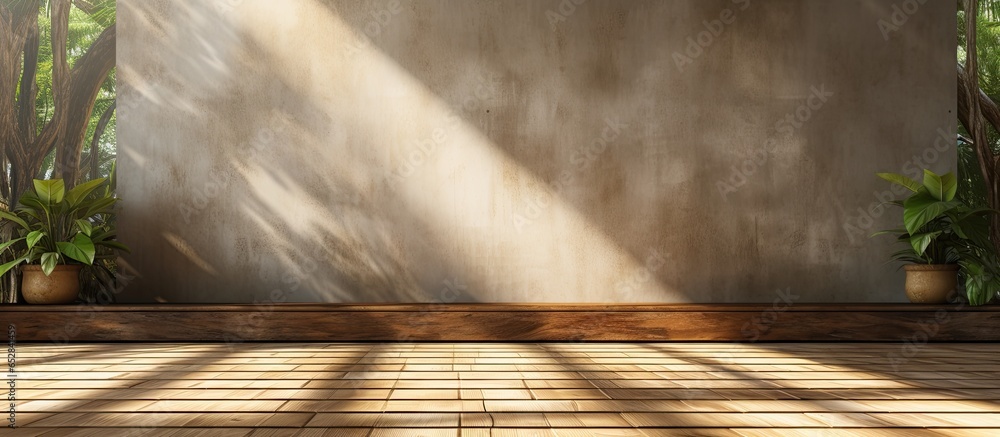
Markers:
943,236
59,232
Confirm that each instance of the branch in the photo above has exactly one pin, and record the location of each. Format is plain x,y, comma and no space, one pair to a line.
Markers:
89,73
16,18
86,6
984,152
989,109
15,21
60,70
27,117
973,111
102,124
975,119
4,182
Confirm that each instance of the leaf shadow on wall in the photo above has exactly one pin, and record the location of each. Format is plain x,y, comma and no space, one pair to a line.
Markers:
314,194
654,188
330,185
292,213
587,112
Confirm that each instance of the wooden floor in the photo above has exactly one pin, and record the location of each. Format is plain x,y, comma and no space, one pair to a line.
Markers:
460,389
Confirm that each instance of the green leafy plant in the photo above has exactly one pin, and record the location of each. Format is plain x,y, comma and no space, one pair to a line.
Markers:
101,281
56,226
939,229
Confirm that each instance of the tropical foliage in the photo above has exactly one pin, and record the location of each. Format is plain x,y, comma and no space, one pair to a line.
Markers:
57,226
57,106
57,60
979,131
940,229
83,31
972,188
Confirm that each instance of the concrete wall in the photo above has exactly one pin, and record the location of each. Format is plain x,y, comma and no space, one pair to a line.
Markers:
524,151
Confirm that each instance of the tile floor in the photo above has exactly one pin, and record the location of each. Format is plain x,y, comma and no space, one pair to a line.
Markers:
461,389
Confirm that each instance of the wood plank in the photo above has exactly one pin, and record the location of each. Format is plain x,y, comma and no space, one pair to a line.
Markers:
235,324
754,388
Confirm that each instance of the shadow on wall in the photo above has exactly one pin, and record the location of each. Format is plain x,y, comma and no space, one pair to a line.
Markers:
326,208
658,184
318,151
255,188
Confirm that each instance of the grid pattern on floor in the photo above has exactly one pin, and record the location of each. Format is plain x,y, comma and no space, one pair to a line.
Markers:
575,389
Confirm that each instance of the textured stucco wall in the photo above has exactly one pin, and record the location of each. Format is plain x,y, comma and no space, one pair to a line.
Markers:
523,151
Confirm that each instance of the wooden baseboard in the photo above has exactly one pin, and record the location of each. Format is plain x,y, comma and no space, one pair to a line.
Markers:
503,322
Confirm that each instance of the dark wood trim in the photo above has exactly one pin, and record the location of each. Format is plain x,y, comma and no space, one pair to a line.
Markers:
504,322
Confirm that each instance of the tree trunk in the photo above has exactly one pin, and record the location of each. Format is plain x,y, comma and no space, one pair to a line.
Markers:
74,93
88,75
989,110
976,119
60,74
85,6
94,159
27,117
16,20
22,147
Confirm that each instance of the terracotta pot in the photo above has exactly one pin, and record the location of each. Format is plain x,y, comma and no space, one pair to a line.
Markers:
931,283
60,287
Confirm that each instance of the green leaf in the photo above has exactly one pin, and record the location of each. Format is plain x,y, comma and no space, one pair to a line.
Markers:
922,208
85,226
100,206
949,185
888,231
34,255
973,268
112,177
100,234
6,267
102,12
979,283
33,238
974,290
50,191
81,249
7,244
933,184
30,206
956,227
80,192
9,216
921,241
115,245
973,225
907,255
971,212
899,179
49,261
